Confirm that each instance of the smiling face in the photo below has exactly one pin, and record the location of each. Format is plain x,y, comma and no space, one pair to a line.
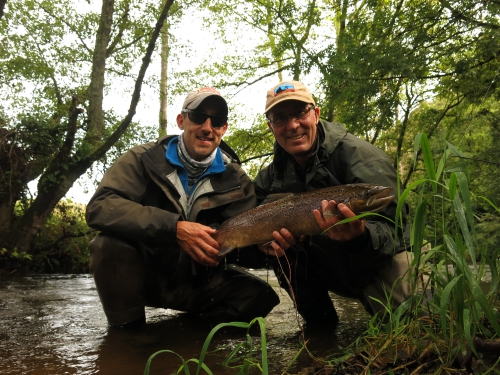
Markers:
201,140
296,135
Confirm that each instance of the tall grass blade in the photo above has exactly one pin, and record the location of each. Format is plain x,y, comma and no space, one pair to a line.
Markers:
455,150
418,231
203,366
428,161
262,325
442,163
148,363
465,193
404,196
452,186
416,147
211,335
468,329
444,304
492,314
462,222
490,203
231,355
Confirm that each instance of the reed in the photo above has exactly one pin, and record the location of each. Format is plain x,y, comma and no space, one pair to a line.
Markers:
449,320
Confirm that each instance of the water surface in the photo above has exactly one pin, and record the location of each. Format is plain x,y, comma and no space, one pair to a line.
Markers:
55,325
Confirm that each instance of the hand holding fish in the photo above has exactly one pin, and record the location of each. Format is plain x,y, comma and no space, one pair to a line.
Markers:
283,239
196,240
343,232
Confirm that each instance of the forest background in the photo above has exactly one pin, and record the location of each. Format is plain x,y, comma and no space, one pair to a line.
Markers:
74,74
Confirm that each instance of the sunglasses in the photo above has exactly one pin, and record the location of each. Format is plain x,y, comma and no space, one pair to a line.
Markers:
282,119
199,118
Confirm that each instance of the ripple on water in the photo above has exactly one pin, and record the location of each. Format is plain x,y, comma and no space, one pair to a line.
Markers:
55,325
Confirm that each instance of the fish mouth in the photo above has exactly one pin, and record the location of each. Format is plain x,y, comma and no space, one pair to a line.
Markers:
381,199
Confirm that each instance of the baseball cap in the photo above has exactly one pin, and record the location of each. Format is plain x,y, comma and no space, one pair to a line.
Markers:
288,90
196,97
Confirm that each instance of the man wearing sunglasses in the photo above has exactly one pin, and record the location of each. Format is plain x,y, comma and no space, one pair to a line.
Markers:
157,207
358,259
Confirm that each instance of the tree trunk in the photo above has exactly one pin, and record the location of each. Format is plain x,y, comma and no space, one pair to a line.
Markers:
49,194
6,209
96,88
163,79
2,6
278,57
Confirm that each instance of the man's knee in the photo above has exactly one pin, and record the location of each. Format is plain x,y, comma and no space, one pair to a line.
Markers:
120,275
247,294
106,249
391,285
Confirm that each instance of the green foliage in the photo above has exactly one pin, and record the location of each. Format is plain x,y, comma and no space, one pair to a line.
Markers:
445,322
388,70
254,145
62,246
245,352
61,61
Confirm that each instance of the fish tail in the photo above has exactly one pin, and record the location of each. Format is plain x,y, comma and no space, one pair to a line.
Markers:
225,249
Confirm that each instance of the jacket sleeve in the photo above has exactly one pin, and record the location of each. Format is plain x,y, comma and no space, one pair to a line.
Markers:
365,163
116,207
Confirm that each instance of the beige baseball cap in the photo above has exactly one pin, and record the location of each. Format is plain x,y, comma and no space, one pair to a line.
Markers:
288,90
196,97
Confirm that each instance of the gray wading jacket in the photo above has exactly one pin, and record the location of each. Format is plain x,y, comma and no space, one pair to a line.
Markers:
141,199
341,158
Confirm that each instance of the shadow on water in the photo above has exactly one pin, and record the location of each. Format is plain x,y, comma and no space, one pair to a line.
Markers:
55,325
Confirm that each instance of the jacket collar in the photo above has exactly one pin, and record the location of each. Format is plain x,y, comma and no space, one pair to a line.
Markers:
217,166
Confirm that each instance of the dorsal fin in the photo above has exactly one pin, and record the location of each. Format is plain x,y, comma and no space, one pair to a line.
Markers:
275,197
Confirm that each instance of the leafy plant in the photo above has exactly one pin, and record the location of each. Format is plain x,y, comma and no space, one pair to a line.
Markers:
62,245
449,319
246,347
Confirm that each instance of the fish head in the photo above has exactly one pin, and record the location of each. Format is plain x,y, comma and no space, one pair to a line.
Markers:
361,198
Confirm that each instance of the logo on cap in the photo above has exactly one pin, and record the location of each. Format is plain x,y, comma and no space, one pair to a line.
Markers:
209,89
286,87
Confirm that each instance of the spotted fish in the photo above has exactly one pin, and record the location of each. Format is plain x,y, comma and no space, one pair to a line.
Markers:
295,213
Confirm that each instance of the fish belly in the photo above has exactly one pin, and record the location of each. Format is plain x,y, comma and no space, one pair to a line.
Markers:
257,226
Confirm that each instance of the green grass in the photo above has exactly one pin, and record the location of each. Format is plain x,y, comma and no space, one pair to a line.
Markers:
245,352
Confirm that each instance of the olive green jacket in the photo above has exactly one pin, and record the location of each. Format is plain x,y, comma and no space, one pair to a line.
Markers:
140,197
341,158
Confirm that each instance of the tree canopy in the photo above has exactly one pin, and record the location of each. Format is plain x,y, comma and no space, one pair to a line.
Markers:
388,70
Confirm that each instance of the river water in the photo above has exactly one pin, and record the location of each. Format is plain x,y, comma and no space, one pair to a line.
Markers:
55,325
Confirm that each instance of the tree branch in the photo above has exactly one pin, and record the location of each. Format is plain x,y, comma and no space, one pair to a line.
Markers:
110,141
455,13
2,6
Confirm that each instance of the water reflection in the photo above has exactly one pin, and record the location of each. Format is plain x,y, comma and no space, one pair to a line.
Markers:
55,325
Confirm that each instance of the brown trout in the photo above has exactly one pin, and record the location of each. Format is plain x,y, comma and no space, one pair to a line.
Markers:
295,213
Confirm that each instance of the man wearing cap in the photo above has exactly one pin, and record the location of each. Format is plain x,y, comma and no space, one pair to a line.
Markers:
358,259
156,208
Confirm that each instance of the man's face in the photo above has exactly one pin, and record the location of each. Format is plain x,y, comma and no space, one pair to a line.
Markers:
202,139
294,125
